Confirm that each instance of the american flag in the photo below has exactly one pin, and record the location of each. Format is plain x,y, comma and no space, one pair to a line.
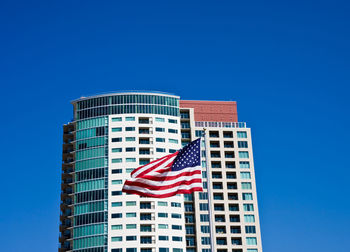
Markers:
177,173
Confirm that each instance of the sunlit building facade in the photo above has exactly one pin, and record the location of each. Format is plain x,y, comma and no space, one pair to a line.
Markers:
110,135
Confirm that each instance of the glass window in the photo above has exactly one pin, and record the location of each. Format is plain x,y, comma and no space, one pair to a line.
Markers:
163,249
243,154
129,128
244,164
163,226
131,238
128,160
130,215
248,207
163,238
251,241
173,141
117,227
116,149
116,129
176,216
245,175
162,203
116,171
246,185
175,204
129,170
130,149
162,215
172,131
159,139
247,196
203,195
204,217
176,227
199,133
242,144
131,118
160,129
130,139
172,121
116,193
117,238
250,229
116,160
252,250
205,240
130,226
160,149
203,206
116,215
116,139
131,203
117,204
158,119
205,229
116,119
249,218
177,238
241,134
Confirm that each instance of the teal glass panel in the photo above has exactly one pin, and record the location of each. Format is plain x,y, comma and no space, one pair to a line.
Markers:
90,153
89,185
88,230
91,163
88,242
89,207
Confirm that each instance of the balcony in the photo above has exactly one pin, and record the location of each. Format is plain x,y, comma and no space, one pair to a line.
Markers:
144,151
185,125
185,135
144,121
185,115
145,131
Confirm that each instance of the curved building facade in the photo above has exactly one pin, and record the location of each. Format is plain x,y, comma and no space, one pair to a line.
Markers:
113,134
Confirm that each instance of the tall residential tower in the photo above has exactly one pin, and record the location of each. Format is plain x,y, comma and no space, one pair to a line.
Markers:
110,135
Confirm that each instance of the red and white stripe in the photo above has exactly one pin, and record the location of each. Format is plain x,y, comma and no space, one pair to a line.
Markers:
157,180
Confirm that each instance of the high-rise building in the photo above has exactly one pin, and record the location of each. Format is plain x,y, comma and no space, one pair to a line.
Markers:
110,135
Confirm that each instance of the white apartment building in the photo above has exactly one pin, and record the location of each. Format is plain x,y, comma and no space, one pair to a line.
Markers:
113,134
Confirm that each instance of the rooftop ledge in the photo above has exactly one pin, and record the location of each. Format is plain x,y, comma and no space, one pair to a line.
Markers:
128,92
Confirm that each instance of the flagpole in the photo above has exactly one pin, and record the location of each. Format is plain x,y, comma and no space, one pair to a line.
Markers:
210,208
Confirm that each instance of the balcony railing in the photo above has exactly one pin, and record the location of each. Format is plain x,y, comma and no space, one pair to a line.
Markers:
221,124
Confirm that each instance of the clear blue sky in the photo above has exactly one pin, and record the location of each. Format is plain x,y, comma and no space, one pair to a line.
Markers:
286,63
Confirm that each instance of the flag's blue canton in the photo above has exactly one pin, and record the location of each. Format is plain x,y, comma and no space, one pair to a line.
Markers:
189,156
